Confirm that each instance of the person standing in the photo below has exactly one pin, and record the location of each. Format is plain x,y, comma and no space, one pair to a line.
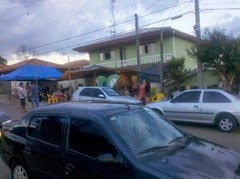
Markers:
34,93
147,92
141,92
27,88
21,95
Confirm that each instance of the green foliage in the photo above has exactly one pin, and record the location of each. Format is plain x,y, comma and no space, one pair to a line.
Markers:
175,70
3,61
220,51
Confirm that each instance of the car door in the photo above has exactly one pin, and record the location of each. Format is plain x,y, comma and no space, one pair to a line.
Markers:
184,107
213,101
86,143
43,149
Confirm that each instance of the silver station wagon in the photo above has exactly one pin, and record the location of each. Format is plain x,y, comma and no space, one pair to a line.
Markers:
209,106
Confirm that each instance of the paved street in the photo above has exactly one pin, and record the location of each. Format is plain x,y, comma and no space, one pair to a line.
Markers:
13,110
210,133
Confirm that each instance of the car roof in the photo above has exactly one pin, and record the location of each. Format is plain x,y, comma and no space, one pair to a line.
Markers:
93,87
103,108
221,90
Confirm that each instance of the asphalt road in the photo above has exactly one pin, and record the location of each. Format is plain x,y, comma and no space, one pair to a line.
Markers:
230,140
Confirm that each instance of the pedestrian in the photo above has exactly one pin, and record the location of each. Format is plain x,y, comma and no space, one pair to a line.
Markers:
126,91
22,95
147,92
141,92
27,88
34,93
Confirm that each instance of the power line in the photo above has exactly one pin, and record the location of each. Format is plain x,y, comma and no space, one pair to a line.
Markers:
219,9
69,38
50,24
106,37
94,30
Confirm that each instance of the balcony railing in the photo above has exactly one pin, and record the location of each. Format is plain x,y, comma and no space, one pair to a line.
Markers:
133,61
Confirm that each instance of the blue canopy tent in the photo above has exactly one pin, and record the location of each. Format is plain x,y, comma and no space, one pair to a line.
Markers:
32,72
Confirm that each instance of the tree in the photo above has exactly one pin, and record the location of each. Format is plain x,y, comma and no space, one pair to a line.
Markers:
3,61
175,70
23,52
221,52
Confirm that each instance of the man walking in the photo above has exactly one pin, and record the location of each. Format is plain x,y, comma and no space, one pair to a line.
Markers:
21,95
34,95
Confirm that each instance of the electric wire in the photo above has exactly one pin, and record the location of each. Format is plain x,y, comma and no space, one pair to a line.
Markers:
118,24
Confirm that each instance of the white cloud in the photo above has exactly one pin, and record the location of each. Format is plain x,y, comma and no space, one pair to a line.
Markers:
46,23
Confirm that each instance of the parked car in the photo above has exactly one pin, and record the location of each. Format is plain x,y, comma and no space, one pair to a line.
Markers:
101,93
105,140
208,106
4,119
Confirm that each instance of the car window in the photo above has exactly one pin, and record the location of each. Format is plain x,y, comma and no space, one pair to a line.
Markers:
141,129
87,138
110,92
86,92
46,128
215,97
188,97
96,93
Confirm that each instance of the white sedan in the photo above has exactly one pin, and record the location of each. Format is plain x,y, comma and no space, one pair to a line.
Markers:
209,106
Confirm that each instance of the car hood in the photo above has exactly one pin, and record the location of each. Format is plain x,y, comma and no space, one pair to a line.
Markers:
127,99
161,103
200,159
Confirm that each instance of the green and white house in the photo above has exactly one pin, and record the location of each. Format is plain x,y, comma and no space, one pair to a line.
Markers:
120,51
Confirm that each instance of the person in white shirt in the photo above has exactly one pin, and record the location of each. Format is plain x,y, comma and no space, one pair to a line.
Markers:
21,95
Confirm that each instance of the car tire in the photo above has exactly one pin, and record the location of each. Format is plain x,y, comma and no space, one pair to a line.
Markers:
226,123
19,170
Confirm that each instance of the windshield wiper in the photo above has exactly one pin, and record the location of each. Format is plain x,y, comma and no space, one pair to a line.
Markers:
160,148
181,139
153,149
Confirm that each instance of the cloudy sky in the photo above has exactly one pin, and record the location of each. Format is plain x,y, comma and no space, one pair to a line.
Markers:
54,27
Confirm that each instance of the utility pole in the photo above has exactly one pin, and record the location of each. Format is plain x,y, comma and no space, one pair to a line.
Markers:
161,58
113,30
137,42
197,29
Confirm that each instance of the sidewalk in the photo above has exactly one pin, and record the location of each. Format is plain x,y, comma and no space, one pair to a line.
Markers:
12,108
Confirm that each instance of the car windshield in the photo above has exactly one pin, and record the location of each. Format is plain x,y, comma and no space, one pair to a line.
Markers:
143,130
110,92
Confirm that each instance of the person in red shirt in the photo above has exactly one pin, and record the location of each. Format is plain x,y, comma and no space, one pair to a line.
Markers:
141,92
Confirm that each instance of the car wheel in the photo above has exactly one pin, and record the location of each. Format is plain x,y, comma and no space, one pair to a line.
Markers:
226,123
19,171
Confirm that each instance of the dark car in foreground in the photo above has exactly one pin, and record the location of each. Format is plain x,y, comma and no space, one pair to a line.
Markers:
105,140
204,106
4,119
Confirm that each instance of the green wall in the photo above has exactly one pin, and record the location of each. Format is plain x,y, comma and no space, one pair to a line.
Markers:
181,47
210,77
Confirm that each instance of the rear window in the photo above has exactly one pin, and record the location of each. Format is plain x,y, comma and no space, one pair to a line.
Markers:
215,97
110,92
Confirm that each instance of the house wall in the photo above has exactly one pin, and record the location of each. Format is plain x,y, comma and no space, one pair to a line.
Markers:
210,77
171,45
5,87
181,47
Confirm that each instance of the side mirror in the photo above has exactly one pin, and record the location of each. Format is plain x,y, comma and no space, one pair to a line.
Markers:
108,158
101,96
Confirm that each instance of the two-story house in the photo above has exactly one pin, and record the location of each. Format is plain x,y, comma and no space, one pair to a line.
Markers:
120,51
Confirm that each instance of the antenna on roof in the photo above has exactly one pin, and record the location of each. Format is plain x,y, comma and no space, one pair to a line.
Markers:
113,30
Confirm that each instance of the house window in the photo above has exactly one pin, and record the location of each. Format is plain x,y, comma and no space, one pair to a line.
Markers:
147,48
107,55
